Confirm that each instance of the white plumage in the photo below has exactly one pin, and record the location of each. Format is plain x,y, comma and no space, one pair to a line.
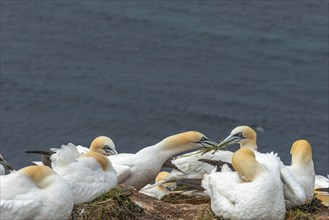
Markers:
35,192
161,190
321,182
139,169
321,189
299,177
89,175
191,168
256,195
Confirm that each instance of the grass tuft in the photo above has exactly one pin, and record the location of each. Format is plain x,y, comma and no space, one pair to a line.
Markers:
115,204
207,214
305,211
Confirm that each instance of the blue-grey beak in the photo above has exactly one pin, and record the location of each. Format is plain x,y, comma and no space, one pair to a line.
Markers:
109,151
5,164
206,142
231,139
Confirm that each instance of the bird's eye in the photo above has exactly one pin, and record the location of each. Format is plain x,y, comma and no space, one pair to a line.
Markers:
239,134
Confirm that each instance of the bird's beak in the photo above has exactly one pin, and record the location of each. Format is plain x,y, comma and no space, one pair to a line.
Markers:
205,142
6,164
109,151
229,140
114,152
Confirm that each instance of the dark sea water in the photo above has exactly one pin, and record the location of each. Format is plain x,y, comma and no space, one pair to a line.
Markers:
139,71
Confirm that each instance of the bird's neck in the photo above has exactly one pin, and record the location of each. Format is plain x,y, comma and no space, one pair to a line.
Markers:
249,144
300,164
171,147
165,149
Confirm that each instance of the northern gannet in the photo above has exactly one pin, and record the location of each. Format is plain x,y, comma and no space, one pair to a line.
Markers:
190,166
139,169
101,144
243,135
247,138
253,192
190,163
161,190
89,175
298,178
35,192
321,189
4,165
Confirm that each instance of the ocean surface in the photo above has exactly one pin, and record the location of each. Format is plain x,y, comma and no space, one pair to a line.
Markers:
139,71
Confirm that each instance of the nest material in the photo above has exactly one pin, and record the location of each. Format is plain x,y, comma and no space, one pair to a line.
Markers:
123,203
115,204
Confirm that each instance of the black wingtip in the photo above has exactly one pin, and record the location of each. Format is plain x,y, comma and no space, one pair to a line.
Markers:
322,189
48,153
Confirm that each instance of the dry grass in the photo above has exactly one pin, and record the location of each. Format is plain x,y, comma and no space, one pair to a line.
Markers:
312,211
118,205
207,214
115,204
183,199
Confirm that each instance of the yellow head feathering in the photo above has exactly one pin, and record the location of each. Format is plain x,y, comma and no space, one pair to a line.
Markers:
184,138
249,135
98,144
245,164
101,159
248,132
161,176
301,150
37,173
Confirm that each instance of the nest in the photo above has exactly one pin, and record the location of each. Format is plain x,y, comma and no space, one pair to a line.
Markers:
115,204
124,202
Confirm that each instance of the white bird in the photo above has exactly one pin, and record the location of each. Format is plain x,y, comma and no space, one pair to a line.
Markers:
191,168
139,169
35,192
89,175
253,192
299,177
321,182
247,138
243,135
101,144
4,165
161,190
321,189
